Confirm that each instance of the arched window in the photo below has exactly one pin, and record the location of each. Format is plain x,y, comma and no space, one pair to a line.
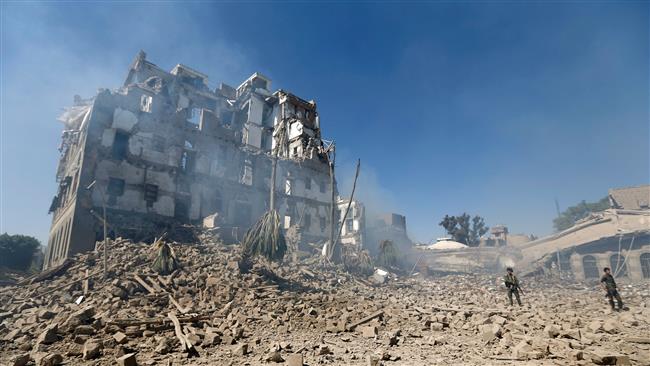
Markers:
590,267
618,265
645,265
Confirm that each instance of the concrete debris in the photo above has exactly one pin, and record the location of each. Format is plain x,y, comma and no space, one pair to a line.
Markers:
305,312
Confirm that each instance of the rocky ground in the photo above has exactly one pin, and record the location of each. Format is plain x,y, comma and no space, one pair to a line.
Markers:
212,312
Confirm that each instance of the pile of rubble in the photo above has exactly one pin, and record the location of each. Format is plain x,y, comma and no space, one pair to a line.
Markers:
214,311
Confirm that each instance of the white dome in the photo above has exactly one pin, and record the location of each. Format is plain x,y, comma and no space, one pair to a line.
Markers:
446,244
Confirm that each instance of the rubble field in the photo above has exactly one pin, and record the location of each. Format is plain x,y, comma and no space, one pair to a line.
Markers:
214,312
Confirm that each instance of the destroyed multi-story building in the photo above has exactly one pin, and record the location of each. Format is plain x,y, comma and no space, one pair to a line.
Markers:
166,150
353,230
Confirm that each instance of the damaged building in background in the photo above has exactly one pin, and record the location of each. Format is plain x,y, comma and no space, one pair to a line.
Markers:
165,150
618,237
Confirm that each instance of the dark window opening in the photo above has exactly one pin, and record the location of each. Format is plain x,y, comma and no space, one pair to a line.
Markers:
218,202
645,265
618,265
150,194
115,187
306,221
590,266
323,224
120,145
182,209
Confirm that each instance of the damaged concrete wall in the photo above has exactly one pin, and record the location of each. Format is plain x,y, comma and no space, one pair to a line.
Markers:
165,150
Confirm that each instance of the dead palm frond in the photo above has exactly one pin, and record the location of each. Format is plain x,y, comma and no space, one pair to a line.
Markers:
356,261
265,238
165,261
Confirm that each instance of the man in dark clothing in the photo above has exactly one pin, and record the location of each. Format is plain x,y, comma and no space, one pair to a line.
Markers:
512,283
609,285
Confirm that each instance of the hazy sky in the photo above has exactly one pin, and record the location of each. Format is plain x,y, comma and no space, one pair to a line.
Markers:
490,108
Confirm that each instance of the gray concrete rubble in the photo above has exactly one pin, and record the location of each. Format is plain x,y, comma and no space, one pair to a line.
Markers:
307,313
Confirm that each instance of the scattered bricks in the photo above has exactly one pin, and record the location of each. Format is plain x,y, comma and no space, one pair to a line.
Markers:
11,335
595,326
497,319
21,360
163,347
551,331
274,357
91,350
369,331
393,340
127,360
45,314
84,329
323,350
521,350
81,339
372,360
120,338
212,281
571,333
611,326
51,359
642,340
49,335
241,350
295,359
211,339
623,360
490,332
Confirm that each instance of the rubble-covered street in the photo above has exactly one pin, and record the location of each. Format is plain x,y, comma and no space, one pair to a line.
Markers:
211,312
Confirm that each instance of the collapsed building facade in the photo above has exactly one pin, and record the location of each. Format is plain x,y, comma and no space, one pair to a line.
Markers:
165,150
618,237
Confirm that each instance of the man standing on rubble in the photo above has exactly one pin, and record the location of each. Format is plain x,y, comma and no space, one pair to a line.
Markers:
512,283
609,285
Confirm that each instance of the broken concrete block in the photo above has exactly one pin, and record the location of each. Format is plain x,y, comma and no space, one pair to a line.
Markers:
51,359
611,326
595,326
323,350
521,350
91,350
435,326
120,338
127,360
45,314
84,329
21,360
241,350
274,356
49,335
372,360
295,359
490,332
551,331
369,331
211,339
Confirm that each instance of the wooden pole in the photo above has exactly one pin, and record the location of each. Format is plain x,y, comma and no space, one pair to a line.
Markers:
333,197
354,186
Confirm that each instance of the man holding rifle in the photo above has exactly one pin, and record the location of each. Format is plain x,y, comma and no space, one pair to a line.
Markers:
512,283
